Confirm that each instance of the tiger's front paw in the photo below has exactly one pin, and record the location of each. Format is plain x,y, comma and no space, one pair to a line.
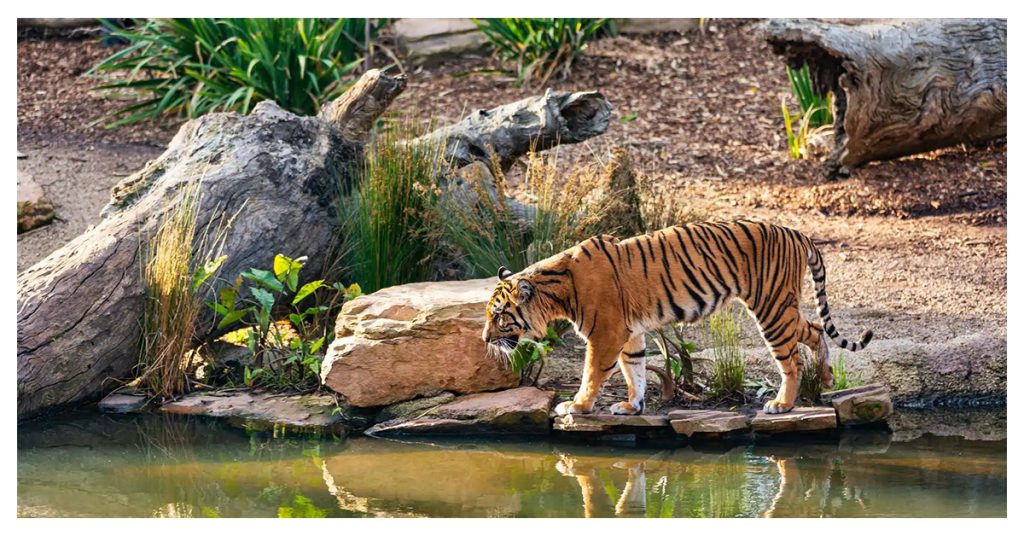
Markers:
569,407
625,408
777,406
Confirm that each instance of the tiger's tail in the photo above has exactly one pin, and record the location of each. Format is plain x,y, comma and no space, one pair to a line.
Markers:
817,267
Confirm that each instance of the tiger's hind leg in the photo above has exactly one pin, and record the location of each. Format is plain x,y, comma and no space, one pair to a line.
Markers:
633,364
782,331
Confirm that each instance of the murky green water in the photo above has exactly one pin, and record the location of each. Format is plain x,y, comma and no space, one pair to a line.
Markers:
162,466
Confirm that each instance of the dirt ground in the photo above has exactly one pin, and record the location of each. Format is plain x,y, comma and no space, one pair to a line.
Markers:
915,248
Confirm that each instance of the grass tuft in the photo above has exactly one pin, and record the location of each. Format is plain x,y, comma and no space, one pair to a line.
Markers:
539,48
729,367
173,299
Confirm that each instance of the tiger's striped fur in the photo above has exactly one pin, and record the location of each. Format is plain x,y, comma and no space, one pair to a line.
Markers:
614,291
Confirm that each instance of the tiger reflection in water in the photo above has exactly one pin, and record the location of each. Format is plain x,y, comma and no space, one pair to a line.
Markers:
596,502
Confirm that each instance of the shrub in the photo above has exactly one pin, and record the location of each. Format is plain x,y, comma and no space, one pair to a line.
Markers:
287,354
729,367
489,232
540,47
172,280
194,66
388,216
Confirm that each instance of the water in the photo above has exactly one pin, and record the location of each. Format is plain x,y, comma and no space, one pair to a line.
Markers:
171,466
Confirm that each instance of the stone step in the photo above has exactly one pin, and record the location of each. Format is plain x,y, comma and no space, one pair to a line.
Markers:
609,422
802,419
860,405
707,423
520,411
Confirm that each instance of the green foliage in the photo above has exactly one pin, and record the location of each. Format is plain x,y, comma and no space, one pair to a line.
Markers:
729,367
389,214
677,352
816,108
841,379
540,47
529,352
815,113
194,66
489,232
287,354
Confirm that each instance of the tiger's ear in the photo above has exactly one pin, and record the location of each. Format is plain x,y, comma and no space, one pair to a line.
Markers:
504,273
525,289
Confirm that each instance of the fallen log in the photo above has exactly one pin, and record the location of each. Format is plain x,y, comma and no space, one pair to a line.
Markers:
273,174
902,87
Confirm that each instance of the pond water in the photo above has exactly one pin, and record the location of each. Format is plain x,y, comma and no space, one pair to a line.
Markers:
173,466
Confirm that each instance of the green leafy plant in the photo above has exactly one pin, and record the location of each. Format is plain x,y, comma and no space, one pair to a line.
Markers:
817,108
729,368
841,379
530,353
390,212
678,355
194,66
490,231
538,48
287,354
799,140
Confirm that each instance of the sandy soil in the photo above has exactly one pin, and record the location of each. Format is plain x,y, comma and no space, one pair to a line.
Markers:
915,248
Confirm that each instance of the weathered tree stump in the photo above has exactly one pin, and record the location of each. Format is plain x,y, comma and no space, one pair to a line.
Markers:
274,175
902,87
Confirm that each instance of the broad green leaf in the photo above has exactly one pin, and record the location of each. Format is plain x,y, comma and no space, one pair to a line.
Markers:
265,278
205,271
232,316
228,295
306,290
317,344
264,298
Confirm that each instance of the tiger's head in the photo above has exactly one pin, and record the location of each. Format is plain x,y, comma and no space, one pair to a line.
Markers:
510,315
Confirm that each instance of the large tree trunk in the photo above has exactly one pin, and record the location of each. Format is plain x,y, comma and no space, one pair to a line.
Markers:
273,174
902,87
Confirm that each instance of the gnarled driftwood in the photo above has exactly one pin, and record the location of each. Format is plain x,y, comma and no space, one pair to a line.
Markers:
902,87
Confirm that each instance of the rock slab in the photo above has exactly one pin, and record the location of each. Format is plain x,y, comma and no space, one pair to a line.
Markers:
520,411
609,423
305,412
122,403
34,209
411,340
805,419
701,422
860,405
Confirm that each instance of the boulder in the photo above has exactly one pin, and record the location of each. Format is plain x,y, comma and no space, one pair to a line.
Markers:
860,405
122,403
520,411
605,422
34,209
309,413
807,419
410,340
707,423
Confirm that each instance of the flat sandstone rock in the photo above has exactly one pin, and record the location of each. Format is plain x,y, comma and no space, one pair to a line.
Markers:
607,422
804,419
122,403
312,412
707,422
860,405
520,411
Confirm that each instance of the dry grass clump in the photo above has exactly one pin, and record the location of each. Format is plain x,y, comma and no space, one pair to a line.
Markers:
489,229
173,277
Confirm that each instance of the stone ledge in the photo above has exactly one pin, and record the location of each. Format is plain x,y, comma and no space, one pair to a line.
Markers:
803,419
707,423
608,422
860,405
520,411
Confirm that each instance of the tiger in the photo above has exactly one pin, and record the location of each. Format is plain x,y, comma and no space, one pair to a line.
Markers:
615,291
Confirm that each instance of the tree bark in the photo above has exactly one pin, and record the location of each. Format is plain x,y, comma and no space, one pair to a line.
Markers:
272,174
902,87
